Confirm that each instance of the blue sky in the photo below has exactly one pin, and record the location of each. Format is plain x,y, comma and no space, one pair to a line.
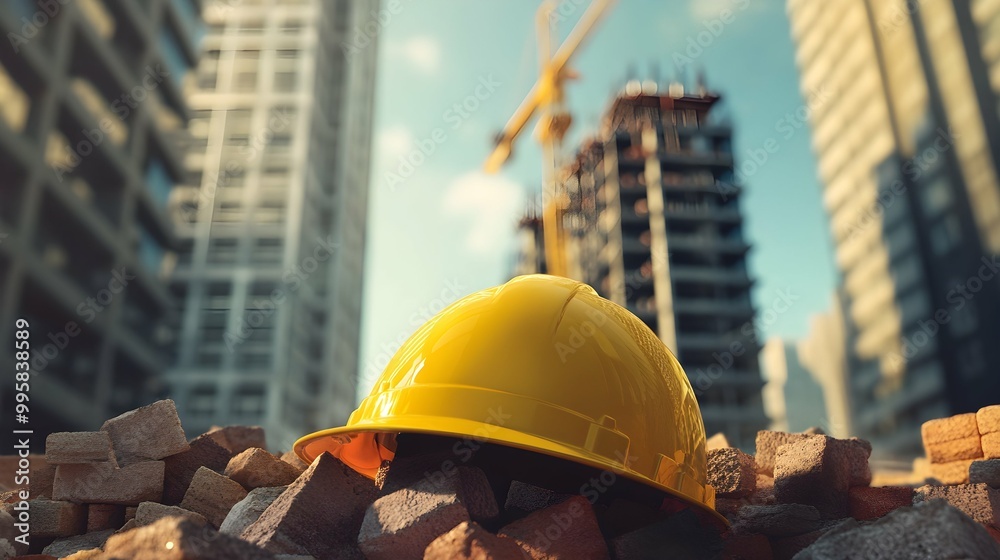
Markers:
442,229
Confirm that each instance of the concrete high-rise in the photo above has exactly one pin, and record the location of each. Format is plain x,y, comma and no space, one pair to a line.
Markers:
92,109
907,145
656,227
272,217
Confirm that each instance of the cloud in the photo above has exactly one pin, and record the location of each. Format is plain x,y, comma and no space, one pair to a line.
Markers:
422,51
490,204
395,141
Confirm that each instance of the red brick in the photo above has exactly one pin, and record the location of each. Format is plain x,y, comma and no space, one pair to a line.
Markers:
188,540
565,530
402,524
256,468
949,429
63,448
148,433
956,472
732,473
954,450
238,439
179,469
150,512
978,501
469,541
988,419
810,471
101,517
319,514
56,518
747,546
101,483
212,495
991,445
871,503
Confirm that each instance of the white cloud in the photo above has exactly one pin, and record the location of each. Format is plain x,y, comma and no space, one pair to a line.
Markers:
423,52
490,204
395,141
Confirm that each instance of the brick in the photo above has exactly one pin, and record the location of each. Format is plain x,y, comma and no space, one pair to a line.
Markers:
949,429
103,484
150,512
525,498
402,524
985,472
56,518
42,478
148,433
292,459
767,444
954,450
680,535
780,520
565,530
249,509
212,495
932,529
855,452
319,514
810,471
978,501
865,504
988,419
238,439
718,441
190,541
956,472
732,473
991,445
180,468
70,545
62,448
747,546
101,517
256,468
469,541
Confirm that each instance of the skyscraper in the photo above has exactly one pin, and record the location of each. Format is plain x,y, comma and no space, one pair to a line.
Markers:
657,228
91,112
907,150
272,217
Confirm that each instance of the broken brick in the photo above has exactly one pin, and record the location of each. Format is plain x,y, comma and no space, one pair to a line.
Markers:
212,495
148,433
985,472
292,459
809,471
53,518
101,517
565,530
978,501
768,442
238,439
102,483
150,512
732,473
63,448
954,450
256,468
871,503
988,419
469,541
179,469
319,514
940,430
249,509
174,538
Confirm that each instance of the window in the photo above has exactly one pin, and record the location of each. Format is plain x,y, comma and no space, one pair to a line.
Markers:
245,81
249,401
201,400
284,81
251,26
222,250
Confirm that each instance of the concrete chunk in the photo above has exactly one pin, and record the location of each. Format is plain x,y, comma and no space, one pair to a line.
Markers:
180,468
256,468
238,439
978,501
148,433
150,512
63,448
985,472
174,538
566,530
469,541
732,473
249,509
104,484
212,495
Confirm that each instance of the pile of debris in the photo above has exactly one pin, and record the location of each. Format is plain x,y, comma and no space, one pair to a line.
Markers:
139,489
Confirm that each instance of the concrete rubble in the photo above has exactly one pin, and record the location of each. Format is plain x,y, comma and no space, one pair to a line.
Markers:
138,488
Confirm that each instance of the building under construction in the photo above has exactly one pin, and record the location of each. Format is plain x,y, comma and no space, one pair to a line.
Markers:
656,226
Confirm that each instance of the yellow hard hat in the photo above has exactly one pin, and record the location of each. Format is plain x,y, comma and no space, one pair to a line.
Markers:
540,363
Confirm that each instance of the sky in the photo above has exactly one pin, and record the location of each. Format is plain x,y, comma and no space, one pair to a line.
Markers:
452,72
